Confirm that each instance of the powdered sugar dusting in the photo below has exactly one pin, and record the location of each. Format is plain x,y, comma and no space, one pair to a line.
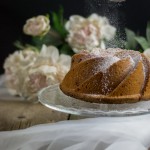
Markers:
107,84
117,53
112,55
105,52
108,62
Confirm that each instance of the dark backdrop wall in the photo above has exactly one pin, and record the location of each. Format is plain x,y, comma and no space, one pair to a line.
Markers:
133,14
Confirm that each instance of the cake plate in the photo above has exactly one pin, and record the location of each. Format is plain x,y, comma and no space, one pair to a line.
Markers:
54,98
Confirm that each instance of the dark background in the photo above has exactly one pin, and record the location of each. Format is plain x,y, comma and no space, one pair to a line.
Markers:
133,14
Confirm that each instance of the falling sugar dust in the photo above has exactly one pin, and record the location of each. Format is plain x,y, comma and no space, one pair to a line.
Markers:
113,10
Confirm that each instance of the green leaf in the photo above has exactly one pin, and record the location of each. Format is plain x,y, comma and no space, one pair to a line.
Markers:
19,45
148,32
52,38
58,22
140,50
66,49
130,37
143,42
31,47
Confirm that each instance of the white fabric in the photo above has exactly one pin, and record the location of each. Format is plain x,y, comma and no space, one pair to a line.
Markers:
126,133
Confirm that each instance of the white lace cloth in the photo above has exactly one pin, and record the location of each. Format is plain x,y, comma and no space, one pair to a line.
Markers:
126,133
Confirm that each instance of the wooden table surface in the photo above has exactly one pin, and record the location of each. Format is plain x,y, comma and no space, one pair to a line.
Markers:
22,114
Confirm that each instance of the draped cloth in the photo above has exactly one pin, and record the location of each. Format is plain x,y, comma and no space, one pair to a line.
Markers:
103,133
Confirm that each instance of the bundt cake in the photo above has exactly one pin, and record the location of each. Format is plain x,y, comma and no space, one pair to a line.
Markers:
112,76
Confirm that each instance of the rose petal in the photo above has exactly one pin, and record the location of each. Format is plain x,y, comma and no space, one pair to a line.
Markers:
50,52
73,22
65,60
108,32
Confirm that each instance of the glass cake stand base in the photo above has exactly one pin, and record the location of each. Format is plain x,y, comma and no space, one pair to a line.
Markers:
53,98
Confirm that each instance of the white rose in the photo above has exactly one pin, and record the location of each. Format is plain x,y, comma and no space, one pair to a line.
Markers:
88,33
48,69
39,78
16,68
63,66
147,53
27,71
37,26
50,55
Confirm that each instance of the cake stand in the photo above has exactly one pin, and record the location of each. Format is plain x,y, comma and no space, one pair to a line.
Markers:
52,97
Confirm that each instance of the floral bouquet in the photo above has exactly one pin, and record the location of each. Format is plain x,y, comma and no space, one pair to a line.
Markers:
47,59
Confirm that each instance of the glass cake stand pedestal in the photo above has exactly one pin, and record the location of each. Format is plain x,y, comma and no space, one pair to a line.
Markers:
53,98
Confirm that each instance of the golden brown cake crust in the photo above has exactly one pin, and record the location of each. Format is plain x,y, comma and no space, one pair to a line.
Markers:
112,76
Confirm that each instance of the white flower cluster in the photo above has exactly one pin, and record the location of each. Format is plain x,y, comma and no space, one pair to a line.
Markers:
27,71
37,26
88,33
